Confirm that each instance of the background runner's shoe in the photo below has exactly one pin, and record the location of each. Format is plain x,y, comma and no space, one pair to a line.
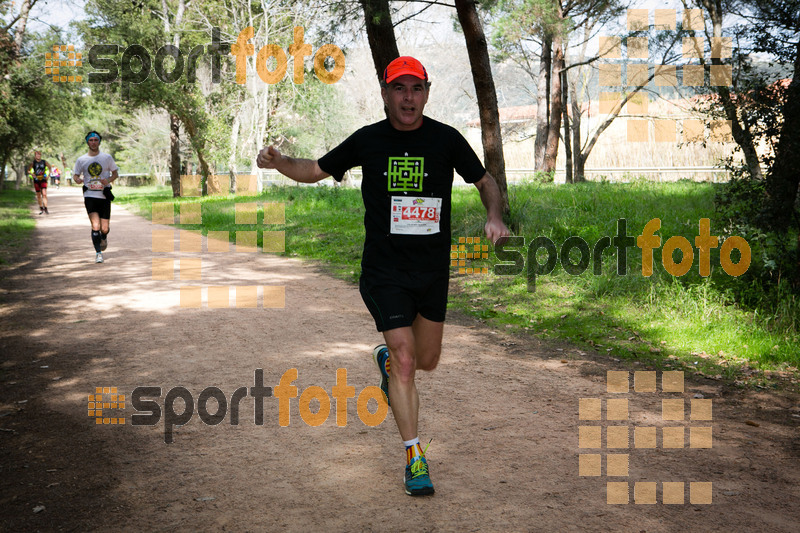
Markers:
381,357
417,480
98,258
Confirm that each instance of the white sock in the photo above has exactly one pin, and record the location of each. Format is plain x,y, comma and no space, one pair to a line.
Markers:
409,443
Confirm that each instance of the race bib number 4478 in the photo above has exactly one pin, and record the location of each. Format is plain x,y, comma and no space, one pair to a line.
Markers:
415,216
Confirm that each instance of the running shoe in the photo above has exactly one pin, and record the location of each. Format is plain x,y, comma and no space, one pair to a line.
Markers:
46,211
381,357
104,243
417,479
98,258
41,210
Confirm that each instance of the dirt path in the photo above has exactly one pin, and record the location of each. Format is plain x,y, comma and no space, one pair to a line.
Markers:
502,412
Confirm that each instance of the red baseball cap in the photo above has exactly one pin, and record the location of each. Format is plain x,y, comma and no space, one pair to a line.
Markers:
404,65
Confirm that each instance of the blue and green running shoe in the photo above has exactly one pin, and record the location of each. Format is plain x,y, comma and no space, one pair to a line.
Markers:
417,480
381,357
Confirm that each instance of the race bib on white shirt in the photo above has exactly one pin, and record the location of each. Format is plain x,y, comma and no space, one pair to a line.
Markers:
415,216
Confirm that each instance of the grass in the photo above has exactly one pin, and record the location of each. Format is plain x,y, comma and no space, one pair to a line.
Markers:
688,322
321,223
16,223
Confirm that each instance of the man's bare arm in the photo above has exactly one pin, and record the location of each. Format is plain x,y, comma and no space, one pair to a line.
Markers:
111,179
302,170
493,202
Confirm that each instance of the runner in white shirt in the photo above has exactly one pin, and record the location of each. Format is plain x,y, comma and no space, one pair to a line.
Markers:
97,171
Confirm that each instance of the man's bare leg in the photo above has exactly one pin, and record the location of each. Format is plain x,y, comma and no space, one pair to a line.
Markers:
94,219
411,348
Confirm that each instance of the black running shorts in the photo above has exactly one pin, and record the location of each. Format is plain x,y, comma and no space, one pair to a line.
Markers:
101,206
395,297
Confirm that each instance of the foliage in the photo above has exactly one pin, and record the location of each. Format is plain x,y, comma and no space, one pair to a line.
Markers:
774,271
34,110
226,121
765,212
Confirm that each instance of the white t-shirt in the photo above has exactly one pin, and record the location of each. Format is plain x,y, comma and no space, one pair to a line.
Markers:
92,169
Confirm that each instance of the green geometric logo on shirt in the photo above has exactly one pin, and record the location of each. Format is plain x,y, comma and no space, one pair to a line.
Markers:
405,173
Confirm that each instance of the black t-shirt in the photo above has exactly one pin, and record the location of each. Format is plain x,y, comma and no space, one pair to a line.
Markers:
404,173
39,168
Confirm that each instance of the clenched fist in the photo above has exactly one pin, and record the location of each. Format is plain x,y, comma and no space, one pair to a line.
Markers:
267,157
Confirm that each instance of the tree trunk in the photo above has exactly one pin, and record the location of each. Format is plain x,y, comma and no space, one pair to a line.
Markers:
2,173
22,22
175,154
783,179
542,103
740,132
487,97
568,176
578,161
380,33
20,170
208,178
233,152
551,151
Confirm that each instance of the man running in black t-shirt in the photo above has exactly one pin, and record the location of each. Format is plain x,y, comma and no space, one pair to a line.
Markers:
39,171
407,164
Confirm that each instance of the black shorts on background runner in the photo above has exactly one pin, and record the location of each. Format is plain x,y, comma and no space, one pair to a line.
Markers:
394,297
101,206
